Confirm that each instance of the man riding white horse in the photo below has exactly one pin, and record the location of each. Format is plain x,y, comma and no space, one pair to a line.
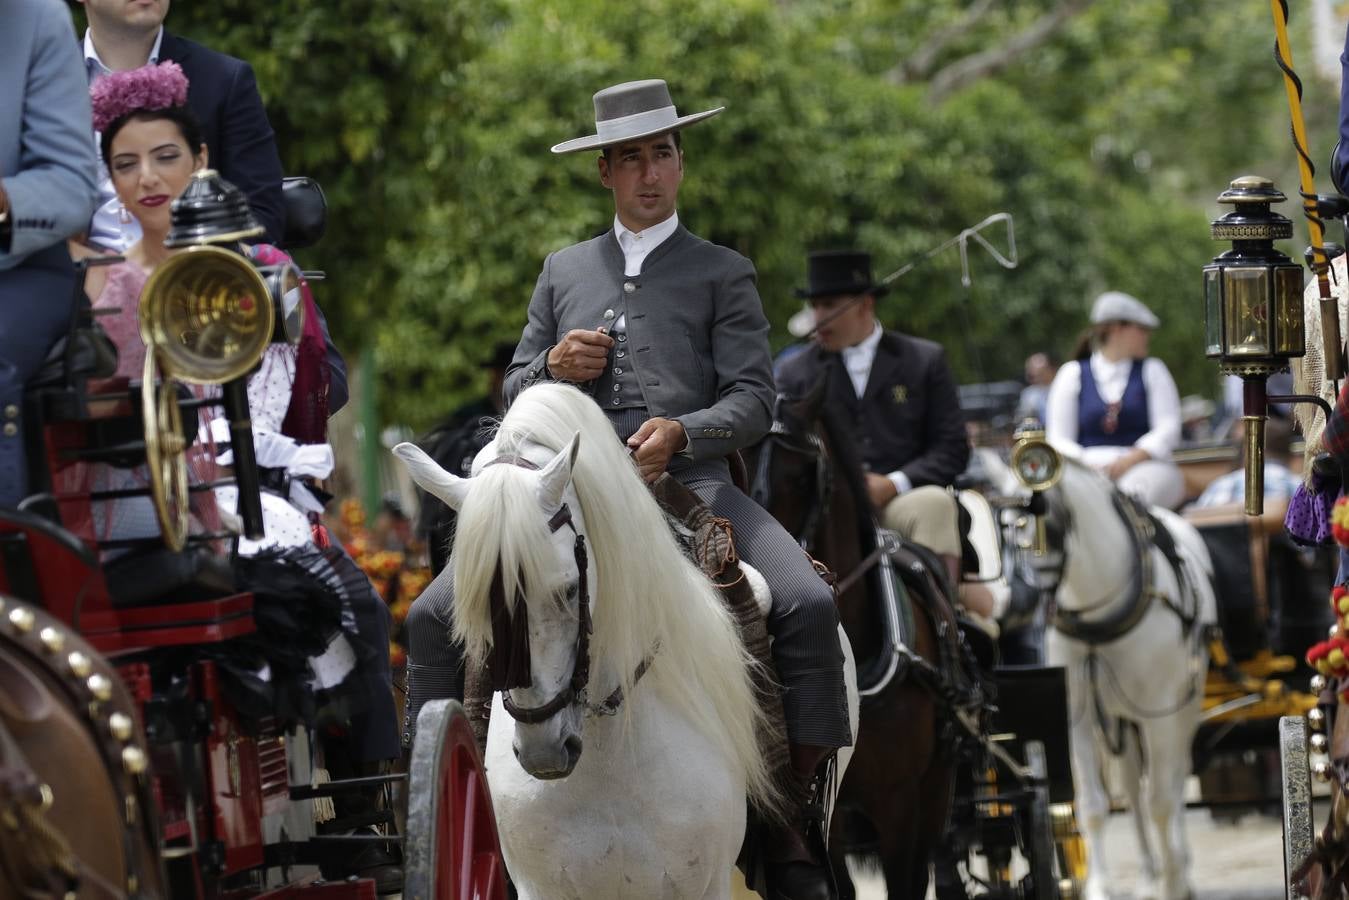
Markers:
667,332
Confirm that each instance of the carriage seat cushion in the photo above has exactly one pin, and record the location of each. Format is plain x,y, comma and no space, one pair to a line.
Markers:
159,575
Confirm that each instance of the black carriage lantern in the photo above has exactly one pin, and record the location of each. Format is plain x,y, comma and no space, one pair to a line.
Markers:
1253,321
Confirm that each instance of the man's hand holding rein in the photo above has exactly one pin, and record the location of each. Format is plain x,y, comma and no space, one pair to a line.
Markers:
654,444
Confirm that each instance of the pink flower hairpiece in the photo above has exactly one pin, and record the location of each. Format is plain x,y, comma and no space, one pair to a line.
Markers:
146,89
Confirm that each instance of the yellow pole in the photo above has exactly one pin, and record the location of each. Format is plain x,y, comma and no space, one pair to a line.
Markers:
1330,318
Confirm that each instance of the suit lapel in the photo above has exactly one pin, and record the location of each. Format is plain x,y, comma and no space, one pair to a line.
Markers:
172,48
887,369
840,385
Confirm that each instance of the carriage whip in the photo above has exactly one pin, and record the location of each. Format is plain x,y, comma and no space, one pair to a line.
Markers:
960,239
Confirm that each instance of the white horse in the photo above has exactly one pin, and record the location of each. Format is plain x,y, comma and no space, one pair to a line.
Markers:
1137,694
563,531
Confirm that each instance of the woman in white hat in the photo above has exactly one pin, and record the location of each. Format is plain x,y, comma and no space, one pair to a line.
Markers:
1117,409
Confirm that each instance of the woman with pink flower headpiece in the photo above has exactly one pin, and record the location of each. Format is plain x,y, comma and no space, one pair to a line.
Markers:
152,145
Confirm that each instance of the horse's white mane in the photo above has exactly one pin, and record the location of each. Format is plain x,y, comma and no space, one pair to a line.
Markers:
647,594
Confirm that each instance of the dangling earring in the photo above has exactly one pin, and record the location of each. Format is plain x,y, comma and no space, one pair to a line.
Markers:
123,216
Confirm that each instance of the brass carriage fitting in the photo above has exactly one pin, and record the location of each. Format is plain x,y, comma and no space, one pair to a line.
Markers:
1316,718
1333,631
1318,684
120,726
80,665
133,760
52,639
22,619
1321,770
1319,743
1253,321
100,686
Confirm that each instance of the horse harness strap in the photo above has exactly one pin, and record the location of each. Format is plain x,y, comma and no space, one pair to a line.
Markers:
575,691
1144,530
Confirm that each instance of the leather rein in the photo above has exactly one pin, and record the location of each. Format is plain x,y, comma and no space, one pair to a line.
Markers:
576,688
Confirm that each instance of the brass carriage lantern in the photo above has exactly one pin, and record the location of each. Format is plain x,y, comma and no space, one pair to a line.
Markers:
1253,322
1038,466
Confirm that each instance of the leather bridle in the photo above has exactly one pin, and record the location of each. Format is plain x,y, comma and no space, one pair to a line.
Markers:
575,690
502,650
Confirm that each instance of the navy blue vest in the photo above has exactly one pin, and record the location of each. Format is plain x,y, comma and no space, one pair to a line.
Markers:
1101,424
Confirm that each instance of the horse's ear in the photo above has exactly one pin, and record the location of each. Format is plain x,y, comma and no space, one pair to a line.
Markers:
429,474
555,477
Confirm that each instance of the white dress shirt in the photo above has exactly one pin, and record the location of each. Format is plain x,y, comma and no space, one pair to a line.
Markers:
858,360
1112,377
637,245
107,228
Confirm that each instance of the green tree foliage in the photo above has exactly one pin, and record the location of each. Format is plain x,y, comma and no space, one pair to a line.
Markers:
1106,127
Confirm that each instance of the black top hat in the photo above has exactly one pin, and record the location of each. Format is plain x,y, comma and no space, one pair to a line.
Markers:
833,272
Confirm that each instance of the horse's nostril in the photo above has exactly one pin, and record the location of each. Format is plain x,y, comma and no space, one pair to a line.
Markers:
573,747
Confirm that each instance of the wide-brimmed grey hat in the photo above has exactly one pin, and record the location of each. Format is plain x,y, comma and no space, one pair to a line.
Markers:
1117,306
630,112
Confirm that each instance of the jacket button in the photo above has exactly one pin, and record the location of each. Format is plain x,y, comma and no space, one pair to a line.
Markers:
618,387
629,287
618,371
622,338
622,353
11,411
616,401
11,429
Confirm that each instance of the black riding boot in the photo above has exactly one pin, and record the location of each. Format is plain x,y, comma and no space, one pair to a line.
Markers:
798,863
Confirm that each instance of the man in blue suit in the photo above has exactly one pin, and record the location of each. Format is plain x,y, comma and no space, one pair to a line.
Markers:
222,92
47,192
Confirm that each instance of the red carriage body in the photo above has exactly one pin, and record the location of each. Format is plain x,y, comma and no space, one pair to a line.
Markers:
230,791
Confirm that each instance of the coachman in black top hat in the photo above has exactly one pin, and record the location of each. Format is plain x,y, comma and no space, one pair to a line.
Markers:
896,390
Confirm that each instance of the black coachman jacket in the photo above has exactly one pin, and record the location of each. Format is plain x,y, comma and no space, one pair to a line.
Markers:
908,419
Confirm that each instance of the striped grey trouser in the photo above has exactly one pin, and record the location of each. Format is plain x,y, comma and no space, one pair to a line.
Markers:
803,620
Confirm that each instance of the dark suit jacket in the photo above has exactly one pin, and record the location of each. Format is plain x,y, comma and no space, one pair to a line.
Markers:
908,419
224,96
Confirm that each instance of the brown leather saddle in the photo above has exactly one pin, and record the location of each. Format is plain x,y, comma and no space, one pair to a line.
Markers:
77,817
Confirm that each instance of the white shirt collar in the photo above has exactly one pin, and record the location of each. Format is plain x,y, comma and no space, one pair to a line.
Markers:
647,239
865,348
95,66
858,358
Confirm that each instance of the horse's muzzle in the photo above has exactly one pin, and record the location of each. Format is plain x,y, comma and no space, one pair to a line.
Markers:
564,761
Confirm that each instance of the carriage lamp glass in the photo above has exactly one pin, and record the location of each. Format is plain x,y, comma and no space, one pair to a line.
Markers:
1036,464
1253,322
1252,293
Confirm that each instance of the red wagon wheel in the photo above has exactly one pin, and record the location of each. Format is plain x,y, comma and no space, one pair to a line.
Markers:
452,850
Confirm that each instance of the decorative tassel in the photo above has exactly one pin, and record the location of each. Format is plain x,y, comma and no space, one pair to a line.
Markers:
324,810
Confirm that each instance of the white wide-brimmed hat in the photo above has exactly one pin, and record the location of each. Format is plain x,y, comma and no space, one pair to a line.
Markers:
630,112
1117,306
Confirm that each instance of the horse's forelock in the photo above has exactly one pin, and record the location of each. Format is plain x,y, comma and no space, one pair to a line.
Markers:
501,530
